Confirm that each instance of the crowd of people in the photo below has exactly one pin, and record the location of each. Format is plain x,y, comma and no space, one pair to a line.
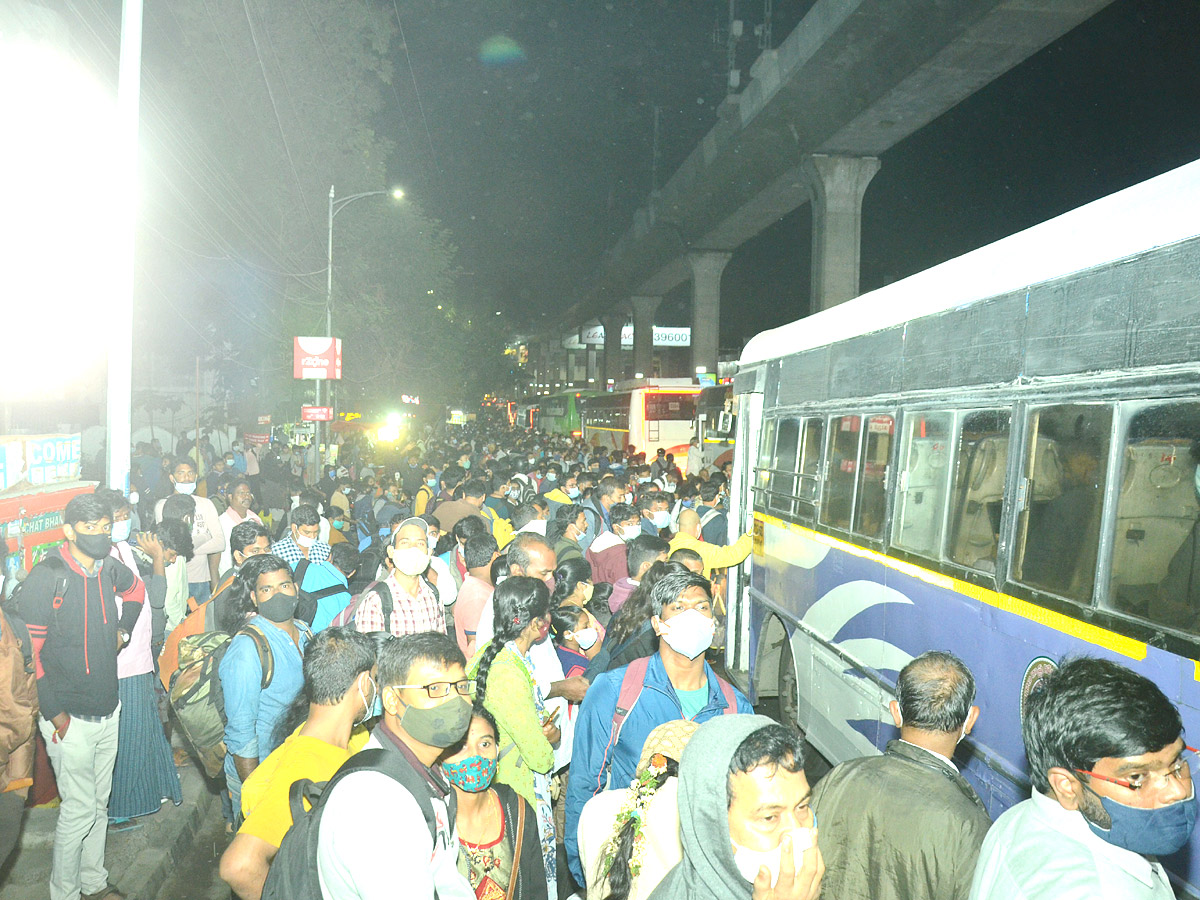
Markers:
490,668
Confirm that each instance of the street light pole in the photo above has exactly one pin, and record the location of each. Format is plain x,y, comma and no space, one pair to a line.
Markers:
335,207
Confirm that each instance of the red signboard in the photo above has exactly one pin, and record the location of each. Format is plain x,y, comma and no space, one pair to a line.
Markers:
260,440
316,414
317,357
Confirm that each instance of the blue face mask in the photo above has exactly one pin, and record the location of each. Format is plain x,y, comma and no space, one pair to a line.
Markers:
1150,832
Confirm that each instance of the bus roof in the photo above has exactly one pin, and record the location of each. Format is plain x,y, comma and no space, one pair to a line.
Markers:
1157,212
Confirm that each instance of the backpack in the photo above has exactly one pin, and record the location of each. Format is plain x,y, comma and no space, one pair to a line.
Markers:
346,616
306,606
201,618
293,874
631,688
12,606
18,707
196,696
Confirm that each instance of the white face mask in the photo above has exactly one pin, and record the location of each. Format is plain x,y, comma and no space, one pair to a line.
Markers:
304,540
431,541
120,530
134,497
410,561
661,518
750,861
185,487
585,637
670,487
690,633
629,532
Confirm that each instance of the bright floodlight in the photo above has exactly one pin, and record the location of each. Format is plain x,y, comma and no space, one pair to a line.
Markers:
395,419
63,254
397,194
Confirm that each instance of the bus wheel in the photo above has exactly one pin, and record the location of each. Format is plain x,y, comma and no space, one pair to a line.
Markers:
789,690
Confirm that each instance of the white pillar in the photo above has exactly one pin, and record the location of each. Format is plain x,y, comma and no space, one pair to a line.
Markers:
707,266
643,333
837,185
612,368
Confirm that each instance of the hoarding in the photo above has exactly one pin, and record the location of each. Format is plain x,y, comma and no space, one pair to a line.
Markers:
316,414
317,357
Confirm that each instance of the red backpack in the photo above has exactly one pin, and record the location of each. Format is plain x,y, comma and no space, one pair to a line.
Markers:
631,688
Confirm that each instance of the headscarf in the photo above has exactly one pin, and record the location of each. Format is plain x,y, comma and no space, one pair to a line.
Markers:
708,871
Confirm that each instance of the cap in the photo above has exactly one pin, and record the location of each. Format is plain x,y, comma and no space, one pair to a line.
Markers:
415,520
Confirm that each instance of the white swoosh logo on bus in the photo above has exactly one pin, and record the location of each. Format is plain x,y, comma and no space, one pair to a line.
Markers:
830,614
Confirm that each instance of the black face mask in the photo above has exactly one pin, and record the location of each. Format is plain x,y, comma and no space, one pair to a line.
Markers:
280,607
93,546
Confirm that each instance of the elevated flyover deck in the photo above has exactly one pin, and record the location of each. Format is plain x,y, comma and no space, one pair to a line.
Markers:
852,79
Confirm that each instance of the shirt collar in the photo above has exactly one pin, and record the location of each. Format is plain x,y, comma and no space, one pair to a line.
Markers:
1072,824
944,759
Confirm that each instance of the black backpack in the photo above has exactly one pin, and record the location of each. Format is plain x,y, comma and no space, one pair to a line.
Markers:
293,874
306,606
12,606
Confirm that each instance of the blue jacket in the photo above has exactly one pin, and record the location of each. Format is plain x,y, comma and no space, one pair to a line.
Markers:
594,766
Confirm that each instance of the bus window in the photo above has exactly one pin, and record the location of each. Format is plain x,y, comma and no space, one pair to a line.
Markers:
1155,566
1058,530
870,507
782,488
977,491
813,433
921,488
840,471
763,471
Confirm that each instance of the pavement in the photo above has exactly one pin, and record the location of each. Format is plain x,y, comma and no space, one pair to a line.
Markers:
140,861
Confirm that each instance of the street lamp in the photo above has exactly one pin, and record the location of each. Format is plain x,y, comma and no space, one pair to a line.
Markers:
336,205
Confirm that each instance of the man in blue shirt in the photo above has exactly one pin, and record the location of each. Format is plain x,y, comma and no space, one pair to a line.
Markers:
678,684
253,709
329,583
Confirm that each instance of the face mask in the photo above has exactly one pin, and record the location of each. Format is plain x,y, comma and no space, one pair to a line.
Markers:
550,476
670,488
690,633
661,518
229,460
466,464
185,487
629,532
120,530
750,861
586,638
339,524
441,726
303,540
643,481
93,546
368,708
431,542
411,561
1151,832
473,774
573,493
280,607
134,497
432,482
588,590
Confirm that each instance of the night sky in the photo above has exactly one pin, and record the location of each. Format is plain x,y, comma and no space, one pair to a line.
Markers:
526,128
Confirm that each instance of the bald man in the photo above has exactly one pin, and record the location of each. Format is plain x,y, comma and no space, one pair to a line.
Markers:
712,556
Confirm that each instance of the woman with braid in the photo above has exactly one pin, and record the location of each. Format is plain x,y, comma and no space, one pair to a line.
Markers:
505,686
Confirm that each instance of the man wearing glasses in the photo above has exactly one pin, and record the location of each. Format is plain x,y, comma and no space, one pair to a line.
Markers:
1112,790
381,838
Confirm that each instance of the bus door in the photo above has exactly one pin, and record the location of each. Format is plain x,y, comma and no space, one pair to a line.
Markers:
741,520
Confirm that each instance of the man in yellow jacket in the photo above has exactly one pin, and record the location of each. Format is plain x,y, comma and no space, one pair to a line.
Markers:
713,555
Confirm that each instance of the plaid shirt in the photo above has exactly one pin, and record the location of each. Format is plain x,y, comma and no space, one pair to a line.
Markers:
410,614
289,551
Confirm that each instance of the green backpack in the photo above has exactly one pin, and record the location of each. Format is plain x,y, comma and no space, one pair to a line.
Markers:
195,693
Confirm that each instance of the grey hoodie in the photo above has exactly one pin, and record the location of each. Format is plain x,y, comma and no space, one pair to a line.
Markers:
708,871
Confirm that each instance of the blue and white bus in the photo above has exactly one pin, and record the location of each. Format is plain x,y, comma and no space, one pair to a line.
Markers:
997,457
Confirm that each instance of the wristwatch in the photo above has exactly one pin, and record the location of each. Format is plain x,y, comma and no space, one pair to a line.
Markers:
124,635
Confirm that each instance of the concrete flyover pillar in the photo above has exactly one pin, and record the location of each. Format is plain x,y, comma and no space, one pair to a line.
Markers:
837,185
612,368
570,368
643,333
707,266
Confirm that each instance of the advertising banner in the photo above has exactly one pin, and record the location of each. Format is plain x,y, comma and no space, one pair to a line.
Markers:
317,357
316,414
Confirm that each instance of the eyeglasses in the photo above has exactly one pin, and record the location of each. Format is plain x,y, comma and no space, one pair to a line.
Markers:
1180,769
439,689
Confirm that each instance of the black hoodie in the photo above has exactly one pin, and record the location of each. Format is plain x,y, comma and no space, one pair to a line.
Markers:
75,638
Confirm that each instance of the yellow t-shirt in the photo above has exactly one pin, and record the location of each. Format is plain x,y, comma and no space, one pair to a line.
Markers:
265,793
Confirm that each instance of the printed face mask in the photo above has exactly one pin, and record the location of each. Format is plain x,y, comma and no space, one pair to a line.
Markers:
690,633
750,861
473,774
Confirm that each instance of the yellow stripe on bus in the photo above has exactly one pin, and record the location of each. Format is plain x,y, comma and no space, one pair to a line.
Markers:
1084,631
598,428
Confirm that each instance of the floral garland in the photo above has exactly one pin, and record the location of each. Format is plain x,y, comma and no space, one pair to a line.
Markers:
642,790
